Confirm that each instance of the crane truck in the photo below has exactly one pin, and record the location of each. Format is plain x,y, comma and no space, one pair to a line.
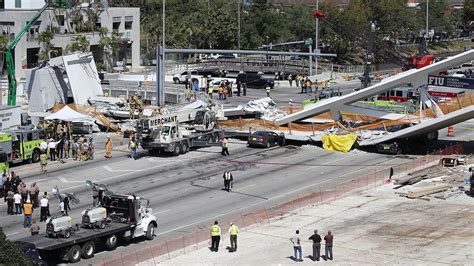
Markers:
125,217
177,133
12,44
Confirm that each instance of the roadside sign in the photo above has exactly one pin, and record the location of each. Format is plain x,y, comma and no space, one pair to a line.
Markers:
452,82
308,42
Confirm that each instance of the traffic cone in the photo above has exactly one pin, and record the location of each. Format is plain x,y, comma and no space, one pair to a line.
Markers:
450,131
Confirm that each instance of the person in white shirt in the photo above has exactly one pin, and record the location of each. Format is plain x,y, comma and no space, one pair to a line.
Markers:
17,201
61,207
44,208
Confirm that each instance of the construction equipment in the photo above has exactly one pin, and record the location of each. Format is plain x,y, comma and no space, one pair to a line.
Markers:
12,44
126,217
169,134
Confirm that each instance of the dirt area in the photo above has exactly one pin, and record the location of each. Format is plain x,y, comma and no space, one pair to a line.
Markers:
374,227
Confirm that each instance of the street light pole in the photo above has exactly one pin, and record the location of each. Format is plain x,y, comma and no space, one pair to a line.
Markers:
238,23
316,38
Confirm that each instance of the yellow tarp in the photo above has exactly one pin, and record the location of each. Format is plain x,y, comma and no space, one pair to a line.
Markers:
338,142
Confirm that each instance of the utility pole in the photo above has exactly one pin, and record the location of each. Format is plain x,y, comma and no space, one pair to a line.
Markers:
316,38
238,23
369,56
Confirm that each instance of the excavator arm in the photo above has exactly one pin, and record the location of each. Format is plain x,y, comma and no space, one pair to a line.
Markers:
12,44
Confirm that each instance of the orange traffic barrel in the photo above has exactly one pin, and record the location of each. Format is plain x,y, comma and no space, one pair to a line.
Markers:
450,131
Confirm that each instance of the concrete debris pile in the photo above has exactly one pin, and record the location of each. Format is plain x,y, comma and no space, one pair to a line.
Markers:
266,107
443,181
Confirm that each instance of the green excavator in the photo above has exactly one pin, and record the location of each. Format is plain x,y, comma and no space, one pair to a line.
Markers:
12,44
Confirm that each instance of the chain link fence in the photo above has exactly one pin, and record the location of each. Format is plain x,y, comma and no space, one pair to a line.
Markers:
165,250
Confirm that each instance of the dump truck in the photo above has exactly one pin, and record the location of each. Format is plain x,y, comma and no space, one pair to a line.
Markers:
130,217
177,134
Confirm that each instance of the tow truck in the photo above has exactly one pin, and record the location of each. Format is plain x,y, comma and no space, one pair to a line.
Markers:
178,133
130,217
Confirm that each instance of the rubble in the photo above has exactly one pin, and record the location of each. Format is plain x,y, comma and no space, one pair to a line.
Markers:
265,106
443,181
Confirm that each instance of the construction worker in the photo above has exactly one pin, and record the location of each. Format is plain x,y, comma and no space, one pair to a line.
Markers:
228,180
233,231
85,150
268,90
34,228
210,90
225,147
27,212
74,149
108,148
132,145
90,151
66,147
215,236
43,161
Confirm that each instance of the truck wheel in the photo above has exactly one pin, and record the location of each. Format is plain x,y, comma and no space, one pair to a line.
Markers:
67,234
35,157
184,147
74,254
102,225
176,80
176,149
150,232
88,250
111,242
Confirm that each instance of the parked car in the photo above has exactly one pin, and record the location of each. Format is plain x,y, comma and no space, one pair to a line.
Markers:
255,81
183,77
266,139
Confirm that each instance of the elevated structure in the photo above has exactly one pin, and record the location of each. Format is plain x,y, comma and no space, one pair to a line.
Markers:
415,77
426,126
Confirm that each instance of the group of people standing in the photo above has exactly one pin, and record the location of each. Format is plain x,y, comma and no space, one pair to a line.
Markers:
307,86
216,236
316,238
77,148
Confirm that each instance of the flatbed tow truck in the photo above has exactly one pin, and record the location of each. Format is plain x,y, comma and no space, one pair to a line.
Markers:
128,217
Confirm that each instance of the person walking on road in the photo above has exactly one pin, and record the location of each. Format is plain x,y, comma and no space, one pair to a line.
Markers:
268,89
10,201
215,236
225,147
27,212
297,246
290,80
228,180
66,205
44,208
329,240
233,232
133,148
391,174
17,200
316,245
108,148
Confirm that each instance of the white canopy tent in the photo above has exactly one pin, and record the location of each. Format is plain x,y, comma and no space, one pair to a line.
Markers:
67,114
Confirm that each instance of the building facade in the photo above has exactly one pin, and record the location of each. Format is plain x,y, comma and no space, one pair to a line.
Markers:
124,21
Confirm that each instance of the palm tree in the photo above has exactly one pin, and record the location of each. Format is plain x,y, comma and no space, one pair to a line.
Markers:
3,49
45,38
110,46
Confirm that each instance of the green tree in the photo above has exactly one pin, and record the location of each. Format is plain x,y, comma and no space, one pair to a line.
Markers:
468,12
110,47
78,43
44,38
10,253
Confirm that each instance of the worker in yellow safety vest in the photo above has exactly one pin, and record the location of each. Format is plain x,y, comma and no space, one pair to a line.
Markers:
215,236
233,231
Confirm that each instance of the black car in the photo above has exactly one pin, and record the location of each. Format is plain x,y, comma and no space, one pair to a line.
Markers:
31,253
266,139
255,81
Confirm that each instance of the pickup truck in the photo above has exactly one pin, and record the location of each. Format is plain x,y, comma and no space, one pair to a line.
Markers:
183,77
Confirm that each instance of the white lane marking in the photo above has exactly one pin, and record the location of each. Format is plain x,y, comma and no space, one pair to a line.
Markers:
64,180
117,176
106,167
160,212
330,163
249,206
241,188
14,233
